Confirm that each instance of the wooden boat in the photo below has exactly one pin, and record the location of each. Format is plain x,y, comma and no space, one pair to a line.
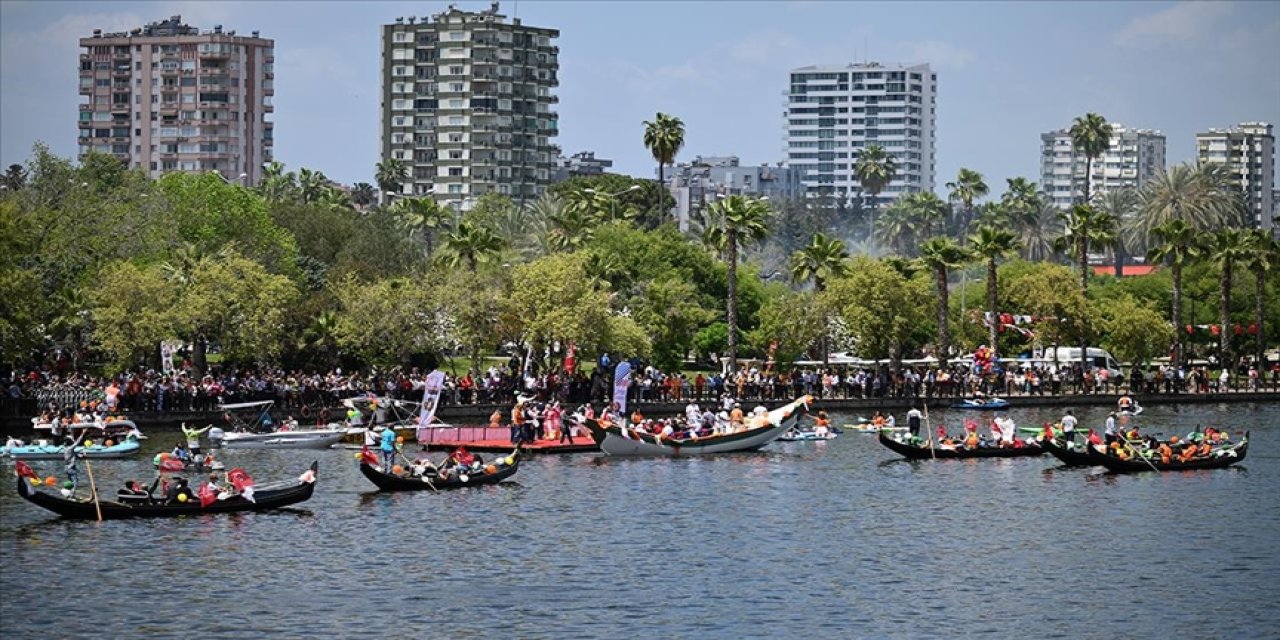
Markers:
1072,457
989,404
390,482
47,451
115,428
616,441
265,497
1219,458
917,452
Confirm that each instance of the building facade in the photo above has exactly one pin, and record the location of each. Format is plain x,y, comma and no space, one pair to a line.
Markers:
835,111
582,163
1134,157
695,185
467,105
1249,152
169,97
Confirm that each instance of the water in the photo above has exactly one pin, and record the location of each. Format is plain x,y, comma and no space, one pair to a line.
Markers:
818,539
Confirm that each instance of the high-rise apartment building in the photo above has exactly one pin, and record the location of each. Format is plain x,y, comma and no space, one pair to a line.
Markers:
1249,152
1134,157
467,103
169,97
835,111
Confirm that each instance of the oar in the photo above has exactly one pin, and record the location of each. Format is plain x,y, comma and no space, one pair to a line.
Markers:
1135,453
424,476
93,488
929,430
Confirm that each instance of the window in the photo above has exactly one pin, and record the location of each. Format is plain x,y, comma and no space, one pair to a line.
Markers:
455,171
457,70
455,154
455,188
456,86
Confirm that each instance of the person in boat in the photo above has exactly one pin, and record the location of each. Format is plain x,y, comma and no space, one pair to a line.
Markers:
877,420
913,421
1165,452
1125,403
890,422
193,437
822,425
1109,428
181,452
460,457
495,419
133,490
179,487
1093,438
388,448
1068,423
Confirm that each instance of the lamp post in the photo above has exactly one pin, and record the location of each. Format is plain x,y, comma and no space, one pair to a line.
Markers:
613,198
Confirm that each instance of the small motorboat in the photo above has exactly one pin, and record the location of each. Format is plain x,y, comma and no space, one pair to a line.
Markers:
431,480
797,435
256,430
982,404
46,450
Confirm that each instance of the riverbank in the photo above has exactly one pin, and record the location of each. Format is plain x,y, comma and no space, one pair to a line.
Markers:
479,413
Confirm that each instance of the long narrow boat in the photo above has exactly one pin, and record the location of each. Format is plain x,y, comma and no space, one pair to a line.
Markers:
616,441
301,439
1072,457
265,497
990,404
1218,459
392,482
47,451
917,452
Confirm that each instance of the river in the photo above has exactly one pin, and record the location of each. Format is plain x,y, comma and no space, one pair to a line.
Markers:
836,539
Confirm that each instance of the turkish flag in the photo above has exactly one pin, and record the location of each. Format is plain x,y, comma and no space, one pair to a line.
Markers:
207,496
23,470
1190,329
1253,329
1215,330
368,457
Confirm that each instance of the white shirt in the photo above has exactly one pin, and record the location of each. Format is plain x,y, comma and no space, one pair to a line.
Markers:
1111,426
1068,423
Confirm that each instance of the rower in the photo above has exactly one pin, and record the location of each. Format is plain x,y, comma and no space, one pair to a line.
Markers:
1109,429
1069,428
913,421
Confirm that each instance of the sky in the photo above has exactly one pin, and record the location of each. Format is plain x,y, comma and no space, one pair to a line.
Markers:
1006,71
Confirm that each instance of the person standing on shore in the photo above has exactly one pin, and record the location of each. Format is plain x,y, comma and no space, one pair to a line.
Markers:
913,421
1069,428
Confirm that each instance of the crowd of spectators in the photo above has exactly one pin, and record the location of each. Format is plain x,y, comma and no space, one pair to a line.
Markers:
310,394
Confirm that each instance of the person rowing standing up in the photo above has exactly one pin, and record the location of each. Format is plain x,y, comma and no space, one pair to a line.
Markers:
193,437
913,421
1109,430
1069,428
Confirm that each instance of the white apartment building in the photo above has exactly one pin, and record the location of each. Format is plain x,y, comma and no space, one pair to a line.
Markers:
467,102
1249,151
1134,157
834,111
170,97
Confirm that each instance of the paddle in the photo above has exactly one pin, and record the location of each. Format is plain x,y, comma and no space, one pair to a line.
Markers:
93,488
1136,454
929,429
424,476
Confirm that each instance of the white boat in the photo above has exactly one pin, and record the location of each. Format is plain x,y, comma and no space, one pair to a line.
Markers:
806,436
623,441
257,432
45,450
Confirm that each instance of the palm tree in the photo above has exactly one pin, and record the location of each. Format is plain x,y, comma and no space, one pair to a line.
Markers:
663,137
744,221
311,184
941,254
1121,205
570,228
363,194
912,217
390,174
1085,226
1200,195
1020,202
1225,248
874,169
471,244
1090,135
321,335
422,217
896,227
334,198
1179,244
14,178
1263,257
1039,236
276,185
993,243
823,258
967,188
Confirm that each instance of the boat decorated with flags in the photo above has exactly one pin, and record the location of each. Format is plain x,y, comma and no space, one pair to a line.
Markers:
621,440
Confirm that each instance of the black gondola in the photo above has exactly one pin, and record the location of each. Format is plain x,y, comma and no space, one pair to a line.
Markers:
391,482
916,452
1070,457
264,499
1235,454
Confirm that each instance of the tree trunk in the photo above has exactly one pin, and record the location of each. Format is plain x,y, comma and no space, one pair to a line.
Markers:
992,328
944,331
471,262
661,186
1177,315
1088,175
1082,248
731,252
199,360
1118,252
818,287
1224,317
1259,294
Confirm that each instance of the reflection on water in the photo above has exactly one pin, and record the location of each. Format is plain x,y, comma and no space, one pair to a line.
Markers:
812,539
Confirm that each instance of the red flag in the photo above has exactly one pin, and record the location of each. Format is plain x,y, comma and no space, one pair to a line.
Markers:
942,432
1253,329
23,470
368,457
1190,329
239,479
1215,329
1237,329
207,496
571,358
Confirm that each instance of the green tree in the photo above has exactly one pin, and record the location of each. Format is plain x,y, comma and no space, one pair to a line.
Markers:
211,214
1090,135
1049,293
1177,245
942,254
744,221
133,309
1262,258
470,244
14,179
874,169
311,185
650,202
1225,249
390,174
477,302
1133,331
822,259
967,188
389,321
784,319
276,185
363,194
992,244
554,299
1039,236
663,137
1020,203
669,313
1122,205
1202,196
422,217
1085,227
879,306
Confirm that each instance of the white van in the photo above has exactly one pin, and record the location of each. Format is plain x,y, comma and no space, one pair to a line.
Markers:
1098,358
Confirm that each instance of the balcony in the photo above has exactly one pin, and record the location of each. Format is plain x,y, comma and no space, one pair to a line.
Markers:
215,55
122,56
120,107
121,73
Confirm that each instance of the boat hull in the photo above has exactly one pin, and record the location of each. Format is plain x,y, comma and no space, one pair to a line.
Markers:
389,482
613,442
914,452
1117,465
283,440
1070,457
997,405
51,452
85,510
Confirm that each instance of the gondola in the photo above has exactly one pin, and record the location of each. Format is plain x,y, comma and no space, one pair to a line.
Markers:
1070,457
265,498
917,452
390,482
1223,457
624,441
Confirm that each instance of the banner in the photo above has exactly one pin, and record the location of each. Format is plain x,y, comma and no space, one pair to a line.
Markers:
167,350
621,380
430,398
